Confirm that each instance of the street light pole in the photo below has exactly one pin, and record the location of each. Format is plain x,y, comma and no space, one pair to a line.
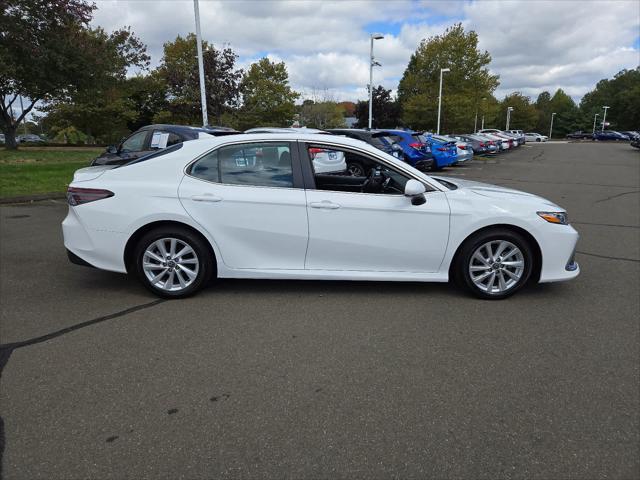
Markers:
604,117
551,127
475,122
482,127
203,95
509,110
442,70
372,63
595,117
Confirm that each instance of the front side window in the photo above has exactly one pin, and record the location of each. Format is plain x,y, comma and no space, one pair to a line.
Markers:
255,164
379,178
135,143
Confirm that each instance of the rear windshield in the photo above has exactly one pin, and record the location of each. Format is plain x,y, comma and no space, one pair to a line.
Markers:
376,142
441,139
159,153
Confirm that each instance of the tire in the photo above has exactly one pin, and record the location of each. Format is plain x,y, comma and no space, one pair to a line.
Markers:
356,169
188,272
504,275
537,139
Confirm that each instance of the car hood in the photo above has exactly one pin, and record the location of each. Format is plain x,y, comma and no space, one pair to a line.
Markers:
500,193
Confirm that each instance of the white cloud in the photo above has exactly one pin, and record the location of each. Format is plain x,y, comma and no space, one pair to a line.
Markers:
325,44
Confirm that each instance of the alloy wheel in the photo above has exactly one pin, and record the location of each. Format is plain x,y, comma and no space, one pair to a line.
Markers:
496,266
170,264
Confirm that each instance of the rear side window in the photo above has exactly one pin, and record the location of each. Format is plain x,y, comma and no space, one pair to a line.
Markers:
260,165
135,143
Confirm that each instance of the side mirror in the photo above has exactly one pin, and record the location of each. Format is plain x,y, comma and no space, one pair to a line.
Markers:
112,149
415,190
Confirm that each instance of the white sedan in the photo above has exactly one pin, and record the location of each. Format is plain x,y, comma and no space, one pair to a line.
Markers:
216,208
535,137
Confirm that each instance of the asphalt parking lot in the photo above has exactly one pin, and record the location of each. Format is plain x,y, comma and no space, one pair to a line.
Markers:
284,379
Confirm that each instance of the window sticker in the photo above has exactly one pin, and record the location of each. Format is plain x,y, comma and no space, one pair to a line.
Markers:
159,140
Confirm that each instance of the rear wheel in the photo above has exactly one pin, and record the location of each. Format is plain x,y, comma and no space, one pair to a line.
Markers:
494,264
173,262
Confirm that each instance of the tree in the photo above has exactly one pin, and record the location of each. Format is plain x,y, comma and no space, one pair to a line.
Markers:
524,115
386,111
322,114
622,94
543,107
179,70
464,86
567,116
48,53
267,98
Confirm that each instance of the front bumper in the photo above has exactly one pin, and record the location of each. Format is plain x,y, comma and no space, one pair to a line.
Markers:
558,246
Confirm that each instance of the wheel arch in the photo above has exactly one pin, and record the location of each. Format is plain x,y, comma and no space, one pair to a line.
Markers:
137,235
533,243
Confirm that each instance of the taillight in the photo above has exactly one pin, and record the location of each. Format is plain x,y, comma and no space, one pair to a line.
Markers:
314,151
417,146
482,144
78,196
442,149
462,147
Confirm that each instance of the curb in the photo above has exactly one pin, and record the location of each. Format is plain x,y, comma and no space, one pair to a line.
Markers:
32,198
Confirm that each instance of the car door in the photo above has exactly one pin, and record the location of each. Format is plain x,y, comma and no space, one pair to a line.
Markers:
251,200
354,231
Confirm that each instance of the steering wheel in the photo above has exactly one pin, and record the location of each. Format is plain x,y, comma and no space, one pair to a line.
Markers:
376,182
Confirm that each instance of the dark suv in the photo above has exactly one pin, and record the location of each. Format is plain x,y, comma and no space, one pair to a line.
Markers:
152,138
372,137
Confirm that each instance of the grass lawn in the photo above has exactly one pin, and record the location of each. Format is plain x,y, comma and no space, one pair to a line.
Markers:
36,170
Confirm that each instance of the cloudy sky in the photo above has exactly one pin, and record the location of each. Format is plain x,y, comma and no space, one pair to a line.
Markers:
536,45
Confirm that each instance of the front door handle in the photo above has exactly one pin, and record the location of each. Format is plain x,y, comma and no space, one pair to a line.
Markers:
325,204
206,198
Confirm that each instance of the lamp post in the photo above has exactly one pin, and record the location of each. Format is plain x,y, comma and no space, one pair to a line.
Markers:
551,127
475,122
604,117
509,110
595,117
372,63
442,70
203,95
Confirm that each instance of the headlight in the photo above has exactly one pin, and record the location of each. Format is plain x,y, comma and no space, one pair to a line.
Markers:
560,218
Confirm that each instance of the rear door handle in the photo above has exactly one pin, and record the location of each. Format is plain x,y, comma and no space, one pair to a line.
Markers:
325,204
206,198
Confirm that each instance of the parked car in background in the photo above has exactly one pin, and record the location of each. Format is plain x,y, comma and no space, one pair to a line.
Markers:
152,138
356,166
519,134
193,212
580,135
631,134
324,160
1,137
445,151
29,138
635,143
610,135
480,145
535,137
415,150
501,143
464,152
507,140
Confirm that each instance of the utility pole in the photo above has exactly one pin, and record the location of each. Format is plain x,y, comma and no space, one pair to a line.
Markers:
203,95
594,123
604,117
509,110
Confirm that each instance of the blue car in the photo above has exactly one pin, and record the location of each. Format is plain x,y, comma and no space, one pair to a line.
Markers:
444,150
610,135
414,150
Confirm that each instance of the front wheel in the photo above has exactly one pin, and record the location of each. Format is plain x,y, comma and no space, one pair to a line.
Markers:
356,169
173,262
494,264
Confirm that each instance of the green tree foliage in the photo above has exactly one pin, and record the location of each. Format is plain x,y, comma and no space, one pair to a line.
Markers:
267,98
464,86
543,109
106,109
622,94
386,110
524,115
179,70
567,116
321,114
